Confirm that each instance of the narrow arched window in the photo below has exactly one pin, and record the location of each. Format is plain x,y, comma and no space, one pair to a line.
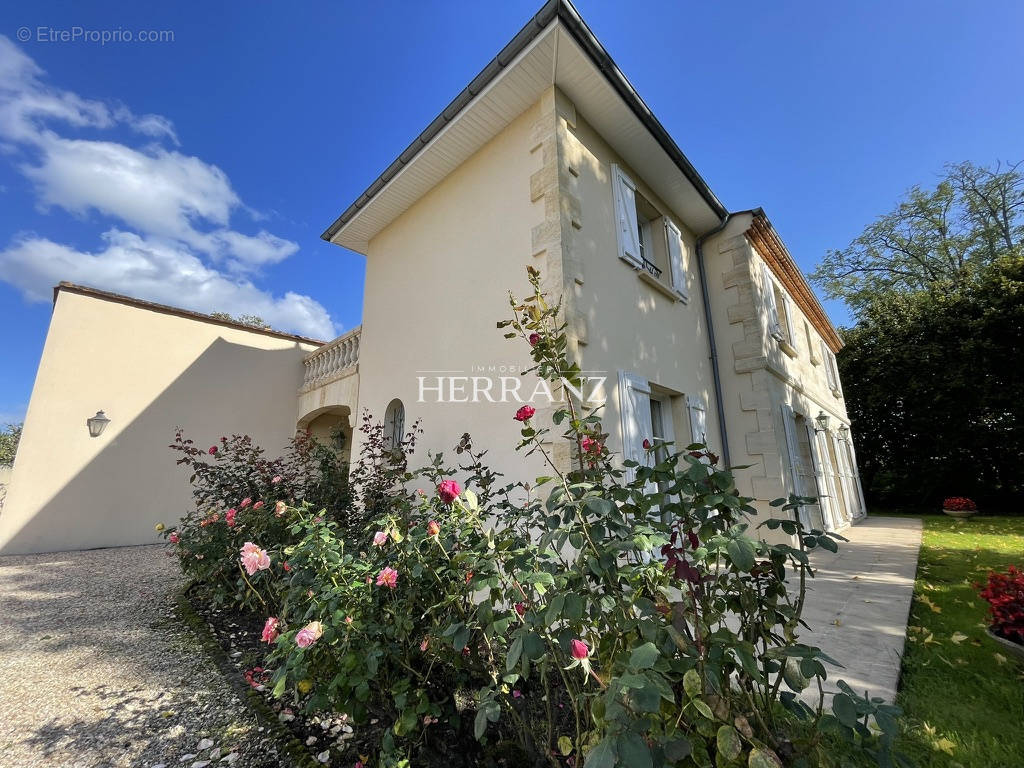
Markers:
394,423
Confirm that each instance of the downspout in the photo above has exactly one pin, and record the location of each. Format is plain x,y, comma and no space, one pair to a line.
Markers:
712,344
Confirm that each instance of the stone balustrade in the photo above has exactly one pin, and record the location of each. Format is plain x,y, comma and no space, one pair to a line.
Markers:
332,360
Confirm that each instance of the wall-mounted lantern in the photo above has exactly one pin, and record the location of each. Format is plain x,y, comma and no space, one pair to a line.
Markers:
844,433
822,421
97,424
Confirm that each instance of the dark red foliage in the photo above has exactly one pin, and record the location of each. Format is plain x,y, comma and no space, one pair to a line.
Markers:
1005,596
959,503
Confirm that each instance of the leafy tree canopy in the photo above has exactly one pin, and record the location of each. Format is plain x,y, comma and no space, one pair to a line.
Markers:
973,216
254,321
9,438
934,385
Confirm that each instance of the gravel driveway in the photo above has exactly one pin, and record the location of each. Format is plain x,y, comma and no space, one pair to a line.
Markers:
95,669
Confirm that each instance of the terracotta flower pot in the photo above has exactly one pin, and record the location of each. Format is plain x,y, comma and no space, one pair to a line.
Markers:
1015,648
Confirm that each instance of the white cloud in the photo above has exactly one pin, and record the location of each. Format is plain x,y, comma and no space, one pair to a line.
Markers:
157,270
179,206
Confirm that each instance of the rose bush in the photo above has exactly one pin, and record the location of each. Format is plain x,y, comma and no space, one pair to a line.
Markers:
240,499
607,615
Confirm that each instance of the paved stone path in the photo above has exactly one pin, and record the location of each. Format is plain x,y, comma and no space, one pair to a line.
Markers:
859,600
96,671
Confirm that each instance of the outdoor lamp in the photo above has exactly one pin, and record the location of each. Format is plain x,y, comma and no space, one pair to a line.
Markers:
97,424
822,421
844,433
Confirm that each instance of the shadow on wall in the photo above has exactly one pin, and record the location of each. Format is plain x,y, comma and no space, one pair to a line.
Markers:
132,482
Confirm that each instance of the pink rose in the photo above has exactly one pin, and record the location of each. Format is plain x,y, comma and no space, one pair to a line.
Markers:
279,509
174,538
270,631
245,502
534,339
258,505
433,528
425,644
213,449
286,567
229,517
579,649
387,578
449,491
525,413
516,694
380,538
309,634
254,558
276,479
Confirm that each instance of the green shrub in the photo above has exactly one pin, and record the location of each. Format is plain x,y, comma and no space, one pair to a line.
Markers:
242,496
607,615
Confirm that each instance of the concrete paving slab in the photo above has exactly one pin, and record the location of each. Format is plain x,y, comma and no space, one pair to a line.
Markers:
859,601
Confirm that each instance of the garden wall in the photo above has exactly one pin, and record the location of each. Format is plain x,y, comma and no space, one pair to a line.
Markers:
150,368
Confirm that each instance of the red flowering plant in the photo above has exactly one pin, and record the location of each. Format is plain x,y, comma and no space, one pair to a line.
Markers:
959,504
1004,594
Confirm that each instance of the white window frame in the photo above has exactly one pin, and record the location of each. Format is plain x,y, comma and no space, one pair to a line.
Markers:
774,326
676,266
635,417
627,225
789,426
697,413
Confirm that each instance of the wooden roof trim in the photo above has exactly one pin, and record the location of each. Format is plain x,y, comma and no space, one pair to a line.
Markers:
766,240
84,290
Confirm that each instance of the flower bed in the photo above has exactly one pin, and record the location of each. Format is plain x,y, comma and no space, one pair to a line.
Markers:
617,615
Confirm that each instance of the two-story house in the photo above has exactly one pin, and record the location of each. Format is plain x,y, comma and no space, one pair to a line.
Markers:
694,323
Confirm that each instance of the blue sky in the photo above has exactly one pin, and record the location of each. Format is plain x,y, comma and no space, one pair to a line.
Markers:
201,171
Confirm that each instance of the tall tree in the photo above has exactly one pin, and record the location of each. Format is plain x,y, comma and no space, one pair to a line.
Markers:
9,438
934,385
973,216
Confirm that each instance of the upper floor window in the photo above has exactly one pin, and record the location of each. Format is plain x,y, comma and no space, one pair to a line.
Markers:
780,313
647,239
831,370
812,348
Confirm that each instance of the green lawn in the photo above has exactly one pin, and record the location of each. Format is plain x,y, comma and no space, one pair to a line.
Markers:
963,695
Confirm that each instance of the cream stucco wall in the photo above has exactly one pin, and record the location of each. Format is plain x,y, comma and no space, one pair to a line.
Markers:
628,324
150,372
437,282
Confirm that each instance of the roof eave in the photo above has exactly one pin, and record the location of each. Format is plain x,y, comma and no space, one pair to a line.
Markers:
566,13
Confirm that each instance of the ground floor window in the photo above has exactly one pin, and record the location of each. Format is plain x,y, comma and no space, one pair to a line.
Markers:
394,423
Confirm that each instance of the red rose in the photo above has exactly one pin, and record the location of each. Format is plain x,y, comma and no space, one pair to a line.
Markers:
525,413
580,650
448,490
647,444
213,449
520,608
534,339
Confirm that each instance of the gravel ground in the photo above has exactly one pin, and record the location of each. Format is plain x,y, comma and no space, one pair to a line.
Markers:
95,669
